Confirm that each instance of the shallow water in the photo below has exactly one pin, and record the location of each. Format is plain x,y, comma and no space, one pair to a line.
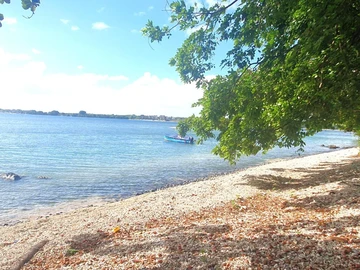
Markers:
86,158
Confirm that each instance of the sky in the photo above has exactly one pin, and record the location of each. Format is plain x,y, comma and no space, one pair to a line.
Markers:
91,55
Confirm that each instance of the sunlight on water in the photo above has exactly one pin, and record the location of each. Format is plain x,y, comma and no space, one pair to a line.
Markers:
79,158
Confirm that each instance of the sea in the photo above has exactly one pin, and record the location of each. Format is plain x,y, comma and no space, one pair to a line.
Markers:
67,161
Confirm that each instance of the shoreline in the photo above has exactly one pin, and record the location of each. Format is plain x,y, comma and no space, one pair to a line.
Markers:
60,208
173,202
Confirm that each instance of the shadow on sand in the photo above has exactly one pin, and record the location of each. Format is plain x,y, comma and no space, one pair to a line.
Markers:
204,244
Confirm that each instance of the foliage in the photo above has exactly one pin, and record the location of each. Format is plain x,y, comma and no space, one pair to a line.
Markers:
182,128
26,4
71,252
293,69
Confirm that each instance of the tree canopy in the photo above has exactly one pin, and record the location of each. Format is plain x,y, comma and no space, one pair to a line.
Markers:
26,4
293,69
182,128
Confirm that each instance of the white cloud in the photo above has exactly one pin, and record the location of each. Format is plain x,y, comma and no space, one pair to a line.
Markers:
73,27
64,21
139,14
5,58
150,8
80,67
192,30
211,2
116,78
29,86
9,20
152,95
100,26
198,3
35,51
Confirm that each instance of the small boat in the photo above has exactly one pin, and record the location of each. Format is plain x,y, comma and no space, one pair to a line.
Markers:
179,139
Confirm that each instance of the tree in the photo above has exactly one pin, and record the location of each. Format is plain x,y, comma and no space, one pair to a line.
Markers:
26,4
82,113
54,112
293,70
182,128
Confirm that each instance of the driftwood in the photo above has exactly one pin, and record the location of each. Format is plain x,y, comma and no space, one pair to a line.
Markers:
28,256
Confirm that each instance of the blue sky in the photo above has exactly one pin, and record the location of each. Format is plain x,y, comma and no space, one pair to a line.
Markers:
90,55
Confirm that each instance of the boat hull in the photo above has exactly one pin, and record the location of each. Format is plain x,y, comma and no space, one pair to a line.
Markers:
178,139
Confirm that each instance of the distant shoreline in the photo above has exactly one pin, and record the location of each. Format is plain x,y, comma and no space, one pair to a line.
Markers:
160,118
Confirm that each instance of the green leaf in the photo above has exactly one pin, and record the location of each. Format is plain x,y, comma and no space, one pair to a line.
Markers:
26,4
182,128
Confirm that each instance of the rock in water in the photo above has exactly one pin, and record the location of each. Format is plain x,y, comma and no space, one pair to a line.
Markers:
43,177
10,176
332,146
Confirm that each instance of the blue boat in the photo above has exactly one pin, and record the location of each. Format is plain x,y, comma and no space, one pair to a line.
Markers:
179,139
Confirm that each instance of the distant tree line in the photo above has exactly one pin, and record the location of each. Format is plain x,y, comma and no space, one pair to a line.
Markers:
85,114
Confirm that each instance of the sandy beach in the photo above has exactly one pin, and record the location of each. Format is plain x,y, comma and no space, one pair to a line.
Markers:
294,214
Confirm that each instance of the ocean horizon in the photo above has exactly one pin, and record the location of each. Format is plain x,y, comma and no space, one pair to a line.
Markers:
81,160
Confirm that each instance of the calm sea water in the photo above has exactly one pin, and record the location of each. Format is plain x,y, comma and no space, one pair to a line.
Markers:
108,158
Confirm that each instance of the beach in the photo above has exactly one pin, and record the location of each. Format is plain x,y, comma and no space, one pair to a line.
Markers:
309,204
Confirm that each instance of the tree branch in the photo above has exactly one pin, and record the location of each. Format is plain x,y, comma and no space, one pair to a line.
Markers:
28,256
